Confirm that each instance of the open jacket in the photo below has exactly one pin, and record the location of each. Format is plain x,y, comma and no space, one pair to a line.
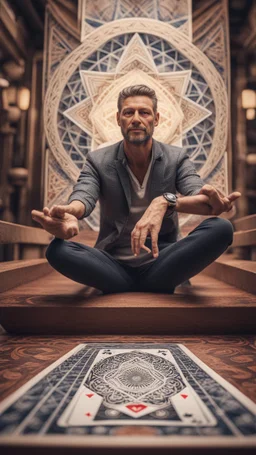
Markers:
105,177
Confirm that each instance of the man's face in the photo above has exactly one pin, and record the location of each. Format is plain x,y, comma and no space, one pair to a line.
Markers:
137,119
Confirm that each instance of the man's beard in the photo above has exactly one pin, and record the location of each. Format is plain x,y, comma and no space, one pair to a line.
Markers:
134,139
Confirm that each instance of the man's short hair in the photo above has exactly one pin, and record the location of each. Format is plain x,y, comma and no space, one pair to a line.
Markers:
137,90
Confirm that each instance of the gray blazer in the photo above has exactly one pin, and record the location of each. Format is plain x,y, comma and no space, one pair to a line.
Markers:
105,177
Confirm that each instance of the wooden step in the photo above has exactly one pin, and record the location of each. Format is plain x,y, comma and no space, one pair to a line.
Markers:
14,273
236,272
246,223
244,238
57,305
16,233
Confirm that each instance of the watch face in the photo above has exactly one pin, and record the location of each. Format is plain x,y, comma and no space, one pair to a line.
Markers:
170,197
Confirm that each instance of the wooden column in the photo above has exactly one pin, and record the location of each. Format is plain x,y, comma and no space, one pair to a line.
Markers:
240,182
6,140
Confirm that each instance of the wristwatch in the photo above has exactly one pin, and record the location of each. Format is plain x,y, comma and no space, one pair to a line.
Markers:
171,199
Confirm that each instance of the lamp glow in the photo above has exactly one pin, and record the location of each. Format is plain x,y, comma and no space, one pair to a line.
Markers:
4,83
250,114
248,99
23,98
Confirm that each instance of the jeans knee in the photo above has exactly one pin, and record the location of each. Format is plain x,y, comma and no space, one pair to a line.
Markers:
53,250
225,229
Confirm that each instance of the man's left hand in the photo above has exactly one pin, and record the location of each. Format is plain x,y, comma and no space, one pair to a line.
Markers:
217,201
150,223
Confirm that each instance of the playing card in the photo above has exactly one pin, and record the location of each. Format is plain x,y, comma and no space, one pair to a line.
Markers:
100,389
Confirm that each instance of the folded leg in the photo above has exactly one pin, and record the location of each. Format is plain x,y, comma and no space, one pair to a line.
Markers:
88,266
187,257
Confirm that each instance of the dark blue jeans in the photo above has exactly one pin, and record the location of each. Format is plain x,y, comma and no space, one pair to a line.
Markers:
176,263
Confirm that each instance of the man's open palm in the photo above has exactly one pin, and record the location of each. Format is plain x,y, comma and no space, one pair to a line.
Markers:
63,227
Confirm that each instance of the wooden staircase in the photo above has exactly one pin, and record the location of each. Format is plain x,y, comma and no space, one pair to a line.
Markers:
239,267
28,263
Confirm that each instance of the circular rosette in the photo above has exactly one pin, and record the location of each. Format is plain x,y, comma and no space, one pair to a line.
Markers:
135,376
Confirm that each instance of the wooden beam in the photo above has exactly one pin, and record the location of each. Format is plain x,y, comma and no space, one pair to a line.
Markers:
16,233
14,273
246,223
30,14
236,272
244,238
16,31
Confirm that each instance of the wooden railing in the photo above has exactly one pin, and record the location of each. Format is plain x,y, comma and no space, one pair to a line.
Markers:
244,244
29,261
239,266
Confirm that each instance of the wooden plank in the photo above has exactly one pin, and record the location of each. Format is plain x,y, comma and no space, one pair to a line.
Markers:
14,273
246,223
16,30
16,233
244,238
80,446
236,272
207,306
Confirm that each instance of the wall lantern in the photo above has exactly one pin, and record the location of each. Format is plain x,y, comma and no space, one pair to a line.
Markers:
23,98
248,99
4,83
250,114
249,103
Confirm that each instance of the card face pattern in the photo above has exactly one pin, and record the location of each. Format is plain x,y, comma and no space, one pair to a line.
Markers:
99,387
136,383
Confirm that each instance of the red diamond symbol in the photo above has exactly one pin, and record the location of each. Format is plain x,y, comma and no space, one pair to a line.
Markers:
88,414
89,395
184,396
136,407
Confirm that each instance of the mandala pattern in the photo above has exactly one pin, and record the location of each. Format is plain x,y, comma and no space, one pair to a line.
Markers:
135,376
82,89
99,12
183,95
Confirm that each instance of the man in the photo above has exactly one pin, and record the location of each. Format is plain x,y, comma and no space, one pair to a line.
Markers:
136,181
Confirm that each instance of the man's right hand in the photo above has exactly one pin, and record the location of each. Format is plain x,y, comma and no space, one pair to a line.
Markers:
59,221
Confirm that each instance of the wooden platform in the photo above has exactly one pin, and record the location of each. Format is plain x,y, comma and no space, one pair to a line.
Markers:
56,305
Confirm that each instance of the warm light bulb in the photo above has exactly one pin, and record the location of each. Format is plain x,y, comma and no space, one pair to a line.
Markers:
248,99
23,98
3,82
250,114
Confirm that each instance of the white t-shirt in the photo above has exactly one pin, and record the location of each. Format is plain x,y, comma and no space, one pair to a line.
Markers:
139,203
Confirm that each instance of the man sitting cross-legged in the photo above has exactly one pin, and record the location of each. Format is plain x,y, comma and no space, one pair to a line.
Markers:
136,181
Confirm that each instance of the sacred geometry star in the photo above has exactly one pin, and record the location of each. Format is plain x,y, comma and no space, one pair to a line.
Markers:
96,114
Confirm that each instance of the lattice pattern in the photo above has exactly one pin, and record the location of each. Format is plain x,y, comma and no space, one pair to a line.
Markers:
58,44
59,185
99,12
210,35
